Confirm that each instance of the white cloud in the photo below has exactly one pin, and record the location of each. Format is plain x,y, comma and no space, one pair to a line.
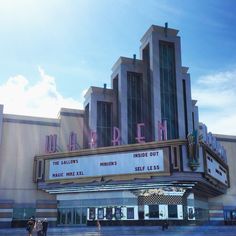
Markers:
40,99
216,95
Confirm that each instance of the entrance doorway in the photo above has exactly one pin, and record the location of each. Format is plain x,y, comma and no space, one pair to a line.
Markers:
72,216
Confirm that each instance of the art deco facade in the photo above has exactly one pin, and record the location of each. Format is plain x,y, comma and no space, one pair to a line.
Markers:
136,154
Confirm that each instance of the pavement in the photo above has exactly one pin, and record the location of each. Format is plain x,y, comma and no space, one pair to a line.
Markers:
130,231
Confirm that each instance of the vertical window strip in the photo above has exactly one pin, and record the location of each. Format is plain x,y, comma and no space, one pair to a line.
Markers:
175,157
168,88
86,126
134,96
104,123
72,146
193,120
47,144
39,176
185,108
51,143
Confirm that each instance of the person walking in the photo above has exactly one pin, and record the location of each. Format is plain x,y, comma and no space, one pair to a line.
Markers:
165,225
30,226
98,225
39,228
45,227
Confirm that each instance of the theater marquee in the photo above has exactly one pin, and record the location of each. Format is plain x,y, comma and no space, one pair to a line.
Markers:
107,164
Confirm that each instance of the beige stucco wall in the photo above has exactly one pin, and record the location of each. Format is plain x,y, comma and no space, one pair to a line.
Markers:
230,146
21,141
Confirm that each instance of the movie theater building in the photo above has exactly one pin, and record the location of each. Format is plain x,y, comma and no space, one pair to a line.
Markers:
136,154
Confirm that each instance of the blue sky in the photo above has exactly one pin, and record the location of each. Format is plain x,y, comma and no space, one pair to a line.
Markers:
51,51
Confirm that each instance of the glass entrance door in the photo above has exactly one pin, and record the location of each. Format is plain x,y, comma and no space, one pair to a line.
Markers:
83,216
77,216
72,216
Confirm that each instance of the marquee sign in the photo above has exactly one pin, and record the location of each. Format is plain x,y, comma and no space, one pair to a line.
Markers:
216,170
145,161
210,140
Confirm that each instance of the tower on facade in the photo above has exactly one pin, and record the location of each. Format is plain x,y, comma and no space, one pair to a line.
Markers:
146,94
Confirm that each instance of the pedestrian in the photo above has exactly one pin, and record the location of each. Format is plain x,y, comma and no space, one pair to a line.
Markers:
165,225
45,227
98,225
39,228
30,226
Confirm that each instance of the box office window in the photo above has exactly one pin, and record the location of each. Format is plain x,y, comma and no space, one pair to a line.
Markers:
92,213
100,213
130,213
109,213
118,215
153,211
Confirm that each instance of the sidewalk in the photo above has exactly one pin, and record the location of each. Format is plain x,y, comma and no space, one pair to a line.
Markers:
129,231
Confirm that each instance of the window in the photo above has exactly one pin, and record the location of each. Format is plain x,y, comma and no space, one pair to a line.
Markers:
61,216
154,211
51,143
185,108
168,88
172,211
104,123
86,130
201,214
72,142
175,158
23,213
100,213
193,120
230,215
130,213
92,213
69,216
135,108
147,96
39,169
116,91
118,214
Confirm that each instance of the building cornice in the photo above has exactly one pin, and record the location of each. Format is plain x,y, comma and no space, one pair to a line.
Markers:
159,29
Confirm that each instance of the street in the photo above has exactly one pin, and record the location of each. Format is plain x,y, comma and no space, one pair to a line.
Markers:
129,231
